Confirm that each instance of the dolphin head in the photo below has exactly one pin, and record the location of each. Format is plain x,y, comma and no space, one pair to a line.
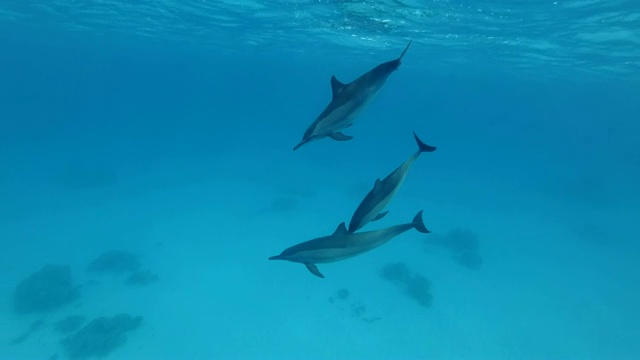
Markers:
381,73
308,136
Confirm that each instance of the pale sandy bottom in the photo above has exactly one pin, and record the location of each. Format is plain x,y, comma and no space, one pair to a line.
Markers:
542,292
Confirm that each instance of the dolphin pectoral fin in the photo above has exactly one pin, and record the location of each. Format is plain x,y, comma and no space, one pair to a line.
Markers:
338,136
314,270
380,216
336,86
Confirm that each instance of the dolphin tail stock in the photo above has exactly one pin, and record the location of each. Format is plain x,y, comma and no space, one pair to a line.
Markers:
418,224
422,147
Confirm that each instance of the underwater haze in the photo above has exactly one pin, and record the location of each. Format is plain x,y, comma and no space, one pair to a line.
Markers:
147,175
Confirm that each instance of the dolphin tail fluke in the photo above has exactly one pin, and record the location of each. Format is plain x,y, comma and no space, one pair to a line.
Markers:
418,224
314,270
422,147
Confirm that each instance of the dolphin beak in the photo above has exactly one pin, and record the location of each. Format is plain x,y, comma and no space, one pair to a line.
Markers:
300,144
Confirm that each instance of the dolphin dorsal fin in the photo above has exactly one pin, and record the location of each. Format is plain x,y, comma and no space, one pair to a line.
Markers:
341,229
377,184
336,86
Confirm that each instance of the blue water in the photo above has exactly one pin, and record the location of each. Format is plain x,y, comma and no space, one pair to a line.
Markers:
165,129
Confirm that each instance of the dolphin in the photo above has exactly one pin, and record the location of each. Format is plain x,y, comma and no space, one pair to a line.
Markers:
342,244
347,101
384,190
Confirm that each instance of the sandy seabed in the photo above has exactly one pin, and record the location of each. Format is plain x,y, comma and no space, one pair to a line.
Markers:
541,293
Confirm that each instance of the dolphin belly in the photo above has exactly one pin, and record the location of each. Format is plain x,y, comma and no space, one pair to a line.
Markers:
320,256
378,206
357,244
338,119
343,113
372,205
333,254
